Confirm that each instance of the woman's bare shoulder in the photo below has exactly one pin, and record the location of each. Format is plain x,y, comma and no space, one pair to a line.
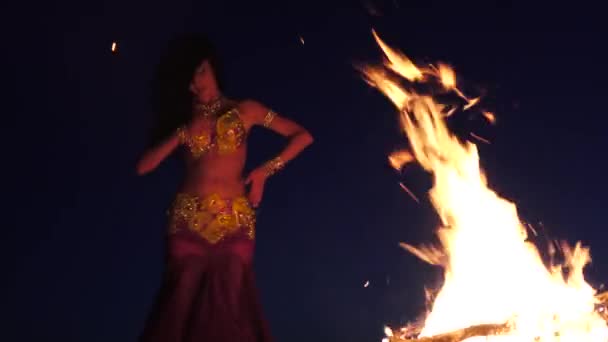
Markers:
252,109
250,105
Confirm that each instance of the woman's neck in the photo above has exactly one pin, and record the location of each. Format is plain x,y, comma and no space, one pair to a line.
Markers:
207,99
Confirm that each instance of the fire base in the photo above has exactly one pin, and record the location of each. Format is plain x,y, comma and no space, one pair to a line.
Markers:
460,335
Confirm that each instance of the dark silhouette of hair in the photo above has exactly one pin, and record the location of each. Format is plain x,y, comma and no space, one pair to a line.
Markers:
171,97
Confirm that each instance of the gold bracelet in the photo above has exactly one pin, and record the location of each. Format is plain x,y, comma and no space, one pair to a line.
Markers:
273,166
268,118
182,136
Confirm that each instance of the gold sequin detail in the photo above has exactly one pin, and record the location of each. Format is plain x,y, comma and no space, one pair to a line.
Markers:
269,118
209,109
200,144
229,135
213,218
273,166
230,132
182,136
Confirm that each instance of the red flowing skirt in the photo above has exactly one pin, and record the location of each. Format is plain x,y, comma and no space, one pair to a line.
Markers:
208,293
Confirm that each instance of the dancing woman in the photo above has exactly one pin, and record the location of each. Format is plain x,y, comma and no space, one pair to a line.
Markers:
208,292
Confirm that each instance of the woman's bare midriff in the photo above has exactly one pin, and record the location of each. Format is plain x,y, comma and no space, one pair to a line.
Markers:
216,174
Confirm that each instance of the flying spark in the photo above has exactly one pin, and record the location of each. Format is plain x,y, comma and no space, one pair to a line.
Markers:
479,138
409,192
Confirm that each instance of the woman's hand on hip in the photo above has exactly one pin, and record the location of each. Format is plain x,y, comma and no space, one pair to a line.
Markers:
256,180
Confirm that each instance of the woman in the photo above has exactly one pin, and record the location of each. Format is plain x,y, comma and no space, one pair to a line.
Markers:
208,292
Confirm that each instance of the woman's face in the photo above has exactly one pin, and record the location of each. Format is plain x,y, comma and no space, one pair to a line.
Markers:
203,81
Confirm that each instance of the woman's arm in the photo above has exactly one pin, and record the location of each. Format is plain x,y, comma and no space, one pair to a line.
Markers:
155,155
299,137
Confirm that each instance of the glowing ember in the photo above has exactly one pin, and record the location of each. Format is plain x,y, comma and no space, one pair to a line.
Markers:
496,287
489,116
114,46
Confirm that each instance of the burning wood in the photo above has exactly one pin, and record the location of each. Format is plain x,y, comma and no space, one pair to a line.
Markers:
602,297
459,335
484,330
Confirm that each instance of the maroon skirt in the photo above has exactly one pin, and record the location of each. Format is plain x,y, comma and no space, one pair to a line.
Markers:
208,292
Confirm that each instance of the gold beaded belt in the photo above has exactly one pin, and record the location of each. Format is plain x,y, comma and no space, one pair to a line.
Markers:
213,218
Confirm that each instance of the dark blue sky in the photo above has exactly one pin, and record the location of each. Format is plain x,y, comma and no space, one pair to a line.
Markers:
83,243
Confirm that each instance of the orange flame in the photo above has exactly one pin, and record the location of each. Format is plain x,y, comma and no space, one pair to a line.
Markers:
447,76
400,158
492,274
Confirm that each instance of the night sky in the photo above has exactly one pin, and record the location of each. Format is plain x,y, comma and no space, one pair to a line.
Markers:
83,245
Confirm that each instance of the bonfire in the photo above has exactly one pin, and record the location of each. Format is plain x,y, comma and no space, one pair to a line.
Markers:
496,286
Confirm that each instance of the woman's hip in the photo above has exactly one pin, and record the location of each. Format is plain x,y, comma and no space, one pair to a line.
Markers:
186,247
212,218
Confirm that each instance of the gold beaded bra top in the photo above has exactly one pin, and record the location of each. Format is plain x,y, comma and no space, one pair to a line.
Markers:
225,135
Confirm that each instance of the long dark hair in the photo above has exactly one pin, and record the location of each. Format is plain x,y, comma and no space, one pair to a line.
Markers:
171,97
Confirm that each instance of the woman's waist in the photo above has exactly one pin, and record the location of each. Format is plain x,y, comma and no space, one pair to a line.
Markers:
203,186
212,216
214,202
205,209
